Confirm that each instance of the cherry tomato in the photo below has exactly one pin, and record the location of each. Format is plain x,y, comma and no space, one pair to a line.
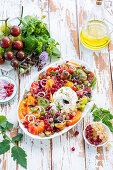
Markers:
15,31
70,70
5,42
20,55
1,59
9,55
17,45
15,63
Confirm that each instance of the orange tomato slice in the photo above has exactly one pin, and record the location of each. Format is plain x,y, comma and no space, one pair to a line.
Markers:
32,128
74,65
30,101
22,110
75,119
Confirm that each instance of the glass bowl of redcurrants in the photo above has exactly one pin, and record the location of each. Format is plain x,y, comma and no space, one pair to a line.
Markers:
8,89
96,134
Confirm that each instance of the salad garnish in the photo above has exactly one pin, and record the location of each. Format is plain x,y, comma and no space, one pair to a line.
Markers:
56,99
100,114
17,153
27,44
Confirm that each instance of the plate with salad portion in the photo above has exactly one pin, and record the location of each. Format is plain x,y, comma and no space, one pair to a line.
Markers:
56,99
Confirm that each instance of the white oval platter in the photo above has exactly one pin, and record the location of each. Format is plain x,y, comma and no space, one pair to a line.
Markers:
86,110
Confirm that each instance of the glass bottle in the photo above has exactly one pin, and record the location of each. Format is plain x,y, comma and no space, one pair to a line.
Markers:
95,33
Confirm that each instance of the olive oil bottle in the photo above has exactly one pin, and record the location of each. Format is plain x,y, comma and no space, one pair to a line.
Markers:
95,33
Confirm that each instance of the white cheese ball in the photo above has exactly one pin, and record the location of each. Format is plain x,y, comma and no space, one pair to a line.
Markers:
66,98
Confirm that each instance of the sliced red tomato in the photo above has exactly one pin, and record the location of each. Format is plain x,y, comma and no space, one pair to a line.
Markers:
34,85
51,69
36,129
74,88
70,70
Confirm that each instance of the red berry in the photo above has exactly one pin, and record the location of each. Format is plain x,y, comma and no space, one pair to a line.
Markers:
60,85
91,138
73,148
96,143
87,72
35,102
41,118
67,61
80,95
80,82
57,114
49,107
65,81
76,133
83,67
12,86
48,124
57,130
51,128
92,142
71,116
25,104
48,128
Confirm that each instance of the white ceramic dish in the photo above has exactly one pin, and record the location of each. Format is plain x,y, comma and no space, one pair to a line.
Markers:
10,80
86,110
107,131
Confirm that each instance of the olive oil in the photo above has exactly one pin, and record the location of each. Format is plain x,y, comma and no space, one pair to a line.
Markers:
95,35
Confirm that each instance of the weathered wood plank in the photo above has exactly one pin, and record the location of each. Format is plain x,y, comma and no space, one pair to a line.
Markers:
9,109
99,60
38,152
63,27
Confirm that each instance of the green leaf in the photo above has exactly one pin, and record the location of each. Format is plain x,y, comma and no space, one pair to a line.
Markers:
58,106
56,53
4,146
94,107
53,73
94,82
19,155
30,43
3,121
17,138
108,123
9,125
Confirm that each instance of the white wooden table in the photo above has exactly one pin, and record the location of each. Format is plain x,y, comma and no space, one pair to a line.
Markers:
64,19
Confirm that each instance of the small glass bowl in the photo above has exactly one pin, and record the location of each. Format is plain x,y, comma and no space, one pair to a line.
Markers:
107,131
10,80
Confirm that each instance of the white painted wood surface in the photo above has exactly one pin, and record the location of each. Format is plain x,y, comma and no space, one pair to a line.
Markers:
64,19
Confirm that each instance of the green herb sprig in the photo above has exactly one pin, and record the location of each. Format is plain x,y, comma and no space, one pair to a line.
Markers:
17,153
100,114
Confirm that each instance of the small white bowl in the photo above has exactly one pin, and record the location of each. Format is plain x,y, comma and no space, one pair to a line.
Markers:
9,80
107,131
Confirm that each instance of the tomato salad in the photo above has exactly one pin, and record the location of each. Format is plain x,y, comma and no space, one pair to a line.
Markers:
56,99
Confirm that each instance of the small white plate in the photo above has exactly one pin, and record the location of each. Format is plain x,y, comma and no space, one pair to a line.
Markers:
107,131
86,110
9,80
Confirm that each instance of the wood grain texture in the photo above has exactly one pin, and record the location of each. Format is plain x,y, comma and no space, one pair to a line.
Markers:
64,19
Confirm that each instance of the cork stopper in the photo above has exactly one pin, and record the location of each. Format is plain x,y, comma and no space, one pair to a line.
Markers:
99,2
